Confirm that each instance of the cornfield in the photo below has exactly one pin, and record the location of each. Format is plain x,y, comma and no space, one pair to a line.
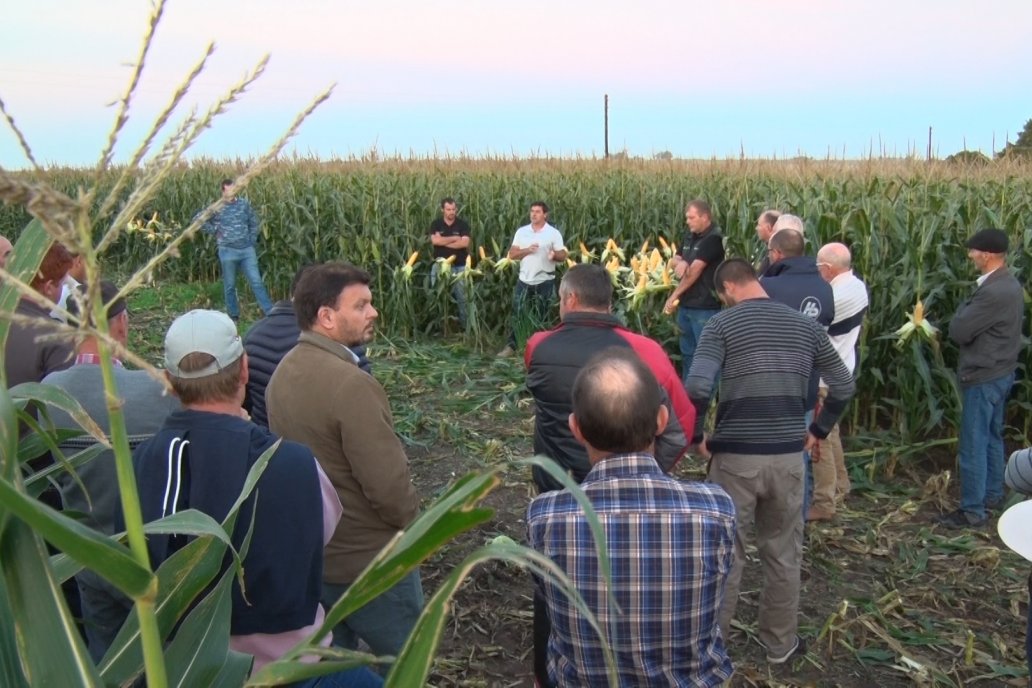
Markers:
905,222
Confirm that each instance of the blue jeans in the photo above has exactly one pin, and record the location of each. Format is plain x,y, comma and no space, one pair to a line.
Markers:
360,677
691,321
458,291
982,460
247,260
530,309
385,623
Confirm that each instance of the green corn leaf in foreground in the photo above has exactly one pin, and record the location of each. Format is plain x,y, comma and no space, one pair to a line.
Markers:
90,548
413,664
51,651
181,578
200,651
455,512
186,522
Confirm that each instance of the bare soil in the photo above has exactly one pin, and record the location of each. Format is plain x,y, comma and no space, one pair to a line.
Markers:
888,597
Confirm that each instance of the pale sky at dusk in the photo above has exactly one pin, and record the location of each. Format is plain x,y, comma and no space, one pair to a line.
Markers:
777,78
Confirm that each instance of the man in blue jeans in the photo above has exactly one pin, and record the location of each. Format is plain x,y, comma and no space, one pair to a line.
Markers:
235,227
698,255
987,330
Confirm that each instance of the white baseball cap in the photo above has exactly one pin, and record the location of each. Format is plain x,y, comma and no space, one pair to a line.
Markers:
206,332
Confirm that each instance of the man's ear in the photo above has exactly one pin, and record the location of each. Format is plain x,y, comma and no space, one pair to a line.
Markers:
662,418
245,372
575,429
168,377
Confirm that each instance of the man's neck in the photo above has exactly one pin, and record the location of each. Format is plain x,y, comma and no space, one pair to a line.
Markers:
228,408
538,227
992,267
703,230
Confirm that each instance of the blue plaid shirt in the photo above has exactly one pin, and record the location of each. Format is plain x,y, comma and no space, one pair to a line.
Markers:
671,545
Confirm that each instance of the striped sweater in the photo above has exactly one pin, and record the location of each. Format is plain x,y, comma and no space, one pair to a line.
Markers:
764,352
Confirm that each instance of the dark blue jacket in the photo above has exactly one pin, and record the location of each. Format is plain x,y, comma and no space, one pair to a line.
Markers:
266,343
796,283
199,460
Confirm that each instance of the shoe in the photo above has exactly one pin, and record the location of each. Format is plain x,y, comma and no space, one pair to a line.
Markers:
815,514
960,519
995,505
797,647
505,353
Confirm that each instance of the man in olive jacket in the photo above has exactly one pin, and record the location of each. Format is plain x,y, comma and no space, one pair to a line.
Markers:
987,330
320,397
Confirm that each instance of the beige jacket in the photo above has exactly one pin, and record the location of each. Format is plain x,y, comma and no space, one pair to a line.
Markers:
319,397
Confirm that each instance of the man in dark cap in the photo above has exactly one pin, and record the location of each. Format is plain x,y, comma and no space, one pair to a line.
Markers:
987,330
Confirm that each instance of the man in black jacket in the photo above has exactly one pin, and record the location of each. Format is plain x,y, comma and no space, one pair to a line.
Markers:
267,342
987,330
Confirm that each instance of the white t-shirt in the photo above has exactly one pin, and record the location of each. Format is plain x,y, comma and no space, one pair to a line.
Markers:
850,300
536,267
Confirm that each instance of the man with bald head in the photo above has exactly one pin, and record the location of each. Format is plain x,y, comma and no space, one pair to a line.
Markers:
671,544
830,477
5,250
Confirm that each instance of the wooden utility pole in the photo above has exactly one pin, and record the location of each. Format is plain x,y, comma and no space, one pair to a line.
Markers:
605,107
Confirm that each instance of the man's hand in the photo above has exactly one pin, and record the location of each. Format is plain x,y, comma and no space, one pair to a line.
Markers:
813,445
671,304
702,449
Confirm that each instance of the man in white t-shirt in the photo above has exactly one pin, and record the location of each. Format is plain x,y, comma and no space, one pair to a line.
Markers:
539,248
830,477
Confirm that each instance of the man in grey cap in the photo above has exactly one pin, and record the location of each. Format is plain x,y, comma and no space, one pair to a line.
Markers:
987,330
200,458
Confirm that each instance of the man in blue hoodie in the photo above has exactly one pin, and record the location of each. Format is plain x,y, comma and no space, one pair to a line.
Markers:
235,227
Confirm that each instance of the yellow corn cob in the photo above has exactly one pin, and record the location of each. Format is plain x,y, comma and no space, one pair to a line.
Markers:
412,259
666,277
645,247
469,262
570,263
483,253
450,260
655,259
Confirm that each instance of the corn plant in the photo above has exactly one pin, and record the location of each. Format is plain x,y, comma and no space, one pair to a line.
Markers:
179,632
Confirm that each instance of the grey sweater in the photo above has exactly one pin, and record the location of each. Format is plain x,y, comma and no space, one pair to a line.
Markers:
145,406
764,352
987,329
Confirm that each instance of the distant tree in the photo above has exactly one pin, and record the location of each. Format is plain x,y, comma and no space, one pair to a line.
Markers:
663,155
1022,147
966,157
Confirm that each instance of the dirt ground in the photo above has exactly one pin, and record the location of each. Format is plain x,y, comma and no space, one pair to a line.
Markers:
888,598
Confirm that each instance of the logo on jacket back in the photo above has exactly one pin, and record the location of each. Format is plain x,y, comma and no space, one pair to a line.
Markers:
810,307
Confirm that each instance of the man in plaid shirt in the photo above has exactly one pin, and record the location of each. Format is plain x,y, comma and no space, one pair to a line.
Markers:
671,545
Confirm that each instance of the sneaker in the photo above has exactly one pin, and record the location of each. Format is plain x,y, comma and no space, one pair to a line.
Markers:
505,353
960,519
797,647
995,505
815,514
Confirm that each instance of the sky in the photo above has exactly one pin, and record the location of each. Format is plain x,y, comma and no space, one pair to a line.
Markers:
767,78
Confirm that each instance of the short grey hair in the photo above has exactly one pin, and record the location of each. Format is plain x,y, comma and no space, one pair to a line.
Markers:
787,221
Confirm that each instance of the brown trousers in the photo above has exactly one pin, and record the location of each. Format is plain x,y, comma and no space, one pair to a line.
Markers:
768,492
830,477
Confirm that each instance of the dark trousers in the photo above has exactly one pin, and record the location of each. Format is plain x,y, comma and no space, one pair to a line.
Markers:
531,304
542,629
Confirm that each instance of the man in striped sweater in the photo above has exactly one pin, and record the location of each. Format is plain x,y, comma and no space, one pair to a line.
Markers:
764,352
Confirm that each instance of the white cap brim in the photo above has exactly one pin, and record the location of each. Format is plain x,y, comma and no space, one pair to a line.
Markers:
1015,528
